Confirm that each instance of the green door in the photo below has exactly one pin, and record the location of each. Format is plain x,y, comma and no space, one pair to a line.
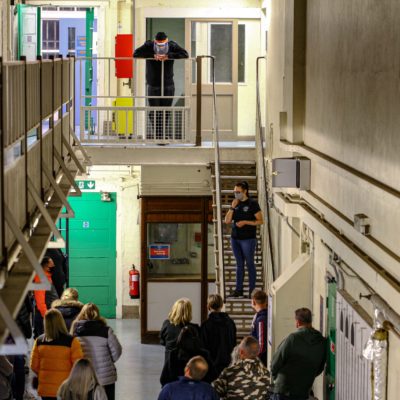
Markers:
92,254
331,362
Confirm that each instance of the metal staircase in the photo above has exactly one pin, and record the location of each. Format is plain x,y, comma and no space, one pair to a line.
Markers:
239,309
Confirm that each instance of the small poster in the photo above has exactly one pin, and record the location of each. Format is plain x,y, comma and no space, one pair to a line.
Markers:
159,251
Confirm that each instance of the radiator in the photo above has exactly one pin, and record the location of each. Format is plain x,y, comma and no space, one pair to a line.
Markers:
353,371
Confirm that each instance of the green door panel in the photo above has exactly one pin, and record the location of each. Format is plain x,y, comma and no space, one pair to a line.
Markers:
92,251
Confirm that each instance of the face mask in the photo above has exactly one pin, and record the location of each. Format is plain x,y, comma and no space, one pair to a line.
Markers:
161,48
239,196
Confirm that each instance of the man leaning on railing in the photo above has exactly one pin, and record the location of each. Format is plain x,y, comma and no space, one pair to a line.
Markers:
163,51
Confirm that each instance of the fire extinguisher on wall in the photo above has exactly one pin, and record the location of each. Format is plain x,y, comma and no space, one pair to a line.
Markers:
134,290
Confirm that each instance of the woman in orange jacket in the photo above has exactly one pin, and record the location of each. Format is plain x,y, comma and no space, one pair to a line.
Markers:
53,355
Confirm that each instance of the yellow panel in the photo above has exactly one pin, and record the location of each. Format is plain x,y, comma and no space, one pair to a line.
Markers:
120,123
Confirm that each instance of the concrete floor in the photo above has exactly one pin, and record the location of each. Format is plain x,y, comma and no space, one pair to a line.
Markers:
140,365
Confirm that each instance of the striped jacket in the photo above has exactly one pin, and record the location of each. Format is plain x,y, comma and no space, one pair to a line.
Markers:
259,331
245,380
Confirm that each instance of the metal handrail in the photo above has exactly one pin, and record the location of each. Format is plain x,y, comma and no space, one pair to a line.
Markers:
217,179
264,181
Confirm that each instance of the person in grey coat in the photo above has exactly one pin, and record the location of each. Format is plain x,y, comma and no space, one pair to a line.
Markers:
6,370
99,345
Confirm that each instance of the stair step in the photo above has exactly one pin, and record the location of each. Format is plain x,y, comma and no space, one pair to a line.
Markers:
238,177
237,163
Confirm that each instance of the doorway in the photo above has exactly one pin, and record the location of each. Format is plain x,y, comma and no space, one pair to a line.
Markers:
92,251
177,243
220,39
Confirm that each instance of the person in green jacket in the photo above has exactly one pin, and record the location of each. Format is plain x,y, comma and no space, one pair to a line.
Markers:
299,359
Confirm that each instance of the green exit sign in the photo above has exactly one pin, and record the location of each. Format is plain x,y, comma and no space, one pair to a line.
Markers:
86,185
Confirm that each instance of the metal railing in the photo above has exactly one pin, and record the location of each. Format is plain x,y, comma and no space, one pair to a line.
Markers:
219,254
262,168
37,156
106,116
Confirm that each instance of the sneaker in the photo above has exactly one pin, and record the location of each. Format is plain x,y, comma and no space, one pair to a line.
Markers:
236,293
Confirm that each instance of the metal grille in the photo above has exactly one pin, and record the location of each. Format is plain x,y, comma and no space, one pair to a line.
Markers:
353,371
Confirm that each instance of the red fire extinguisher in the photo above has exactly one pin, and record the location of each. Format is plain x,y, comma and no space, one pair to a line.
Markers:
134,276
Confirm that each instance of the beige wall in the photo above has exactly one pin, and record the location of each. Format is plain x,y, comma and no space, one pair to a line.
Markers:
350,110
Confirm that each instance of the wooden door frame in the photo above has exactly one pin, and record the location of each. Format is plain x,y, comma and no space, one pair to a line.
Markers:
199,215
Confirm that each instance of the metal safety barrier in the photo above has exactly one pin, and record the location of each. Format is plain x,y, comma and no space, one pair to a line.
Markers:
106,116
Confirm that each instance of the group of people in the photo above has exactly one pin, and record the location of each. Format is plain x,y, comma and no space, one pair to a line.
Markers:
204,362
74,352
206,359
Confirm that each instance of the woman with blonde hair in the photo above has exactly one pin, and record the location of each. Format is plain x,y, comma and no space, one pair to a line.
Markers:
54,354
99,344
82,384
68,305
179,317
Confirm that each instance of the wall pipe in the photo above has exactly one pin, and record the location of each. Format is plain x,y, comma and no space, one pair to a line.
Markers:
387,312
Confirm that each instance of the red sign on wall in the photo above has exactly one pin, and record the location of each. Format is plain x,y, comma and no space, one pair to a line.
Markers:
159,251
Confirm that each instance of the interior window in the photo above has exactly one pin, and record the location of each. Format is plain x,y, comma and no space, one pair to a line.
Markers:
241,53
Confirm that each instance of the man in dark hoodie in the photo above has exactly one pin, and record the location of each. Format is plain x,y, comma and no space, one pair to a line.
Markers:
299,359
161,54
260,321
218,333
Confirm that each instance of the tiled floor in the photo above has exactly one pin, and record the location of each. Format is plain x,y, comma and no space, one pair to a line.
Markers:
140,365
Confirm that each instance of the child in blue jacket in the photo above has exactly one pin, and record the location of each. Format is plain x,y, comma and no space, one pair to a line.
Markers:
260,322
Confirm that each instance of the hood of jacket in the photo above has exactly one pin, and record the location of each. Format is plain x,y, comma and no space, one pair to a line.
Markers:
67,304
252,367
88,328
219,317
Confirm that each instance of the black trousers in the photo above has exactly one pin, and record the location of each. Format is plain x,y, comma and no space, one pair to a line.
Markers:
38,328
156,123
110,391
18,382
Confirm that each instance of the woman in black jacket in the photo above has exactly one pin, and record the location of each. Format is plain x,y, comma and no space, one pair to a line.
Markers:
218,333
179,317
188,345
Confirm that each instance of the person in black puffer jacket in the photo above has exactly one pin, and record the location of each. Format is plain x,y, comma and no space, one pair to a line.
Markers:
99,345
218,333
188,345
68,305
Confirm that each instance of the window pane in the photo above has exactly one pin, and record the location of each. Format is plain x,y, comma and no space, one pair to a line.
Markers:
241,53
71,39
174,250
57,30
50,30
221,49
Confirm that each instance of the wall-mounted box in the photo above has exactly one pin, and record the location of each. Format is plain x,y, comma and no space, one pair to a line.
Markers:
124,49
291,173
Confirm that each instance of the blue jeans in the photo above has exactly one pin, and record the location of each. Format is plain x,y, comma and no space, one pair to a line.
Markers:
244,250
